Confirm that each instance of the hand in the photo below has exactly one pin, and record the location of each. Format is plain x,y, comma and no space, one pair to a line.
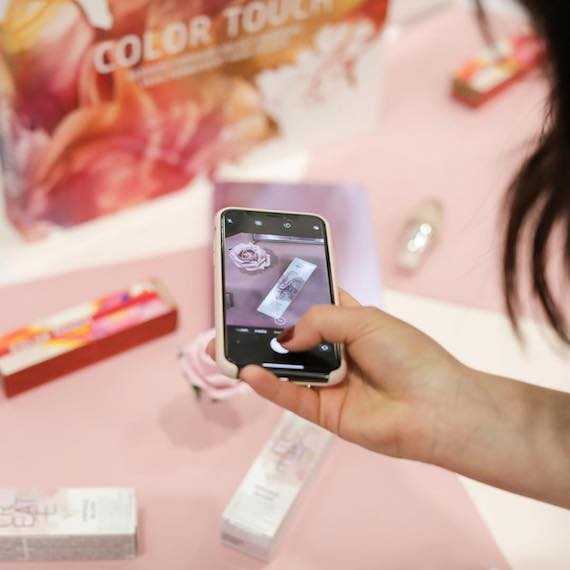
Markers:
398,386
405,396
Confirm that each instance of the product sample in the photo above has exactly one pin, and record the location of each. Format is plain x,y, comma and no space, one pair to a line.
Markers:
287,288
496,69
254,519
68,524
419,235
138,98
84,334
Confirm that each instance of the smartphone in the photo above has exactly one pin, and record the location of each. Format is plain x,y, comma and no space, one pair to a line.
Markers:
270,268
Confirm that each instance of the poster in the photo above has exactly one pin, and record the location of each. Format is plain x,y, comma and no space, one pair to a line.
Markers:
105,104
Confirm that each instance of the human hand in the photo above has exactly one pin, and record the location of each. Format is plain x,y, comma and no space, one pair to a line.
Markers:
398,387
405,396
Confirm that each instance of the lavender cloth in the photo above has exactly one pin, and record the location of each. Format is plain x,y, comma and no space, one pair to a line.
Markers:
346,207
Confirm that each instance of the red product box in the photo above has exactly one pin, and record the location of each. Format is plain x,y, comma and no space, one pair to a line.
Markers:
489,74
84,334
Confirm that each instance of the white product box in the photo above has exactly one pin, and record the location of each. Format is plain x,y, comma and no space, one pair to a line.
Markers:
68,524
256,515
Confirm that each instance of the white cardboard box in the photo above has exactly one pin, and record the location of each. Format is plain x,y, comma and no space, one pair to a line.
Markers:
68,524
254,520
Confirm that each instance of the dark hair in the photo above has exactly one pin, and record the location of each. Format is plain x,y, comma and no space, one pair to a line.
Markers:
538,201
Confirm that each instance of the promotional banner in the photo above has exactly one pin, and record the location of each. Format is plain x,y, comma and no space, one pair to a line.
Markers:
109,103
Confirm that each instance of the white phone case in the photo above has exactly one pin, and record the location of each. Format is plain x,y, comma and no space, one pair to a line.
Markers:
229,368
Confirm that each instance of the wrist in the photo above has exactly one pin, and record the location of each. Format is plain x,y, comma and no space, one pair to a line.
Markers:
465,414
432,436
498,431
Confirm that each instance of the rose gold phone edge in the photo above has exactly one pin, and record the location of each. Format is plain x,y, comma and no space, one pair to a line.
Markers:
229,368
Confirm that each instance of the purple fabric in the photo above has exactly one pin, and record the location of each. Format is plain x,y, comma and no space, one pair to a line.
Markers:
346,207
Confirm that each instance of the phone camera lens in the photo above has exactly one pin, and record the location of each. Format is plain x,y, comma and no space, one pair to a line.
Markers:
287,225
232,218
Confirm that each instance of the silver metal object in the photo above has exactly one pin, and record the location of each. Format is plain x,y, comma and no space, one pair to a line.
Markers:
419,235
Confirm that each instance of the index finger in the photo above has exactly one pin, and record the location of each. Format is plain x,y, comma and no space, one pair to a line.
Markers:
346,300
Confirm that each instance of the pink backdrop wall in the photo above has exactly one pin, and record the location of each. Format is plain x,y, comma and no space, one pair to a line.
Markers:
428,145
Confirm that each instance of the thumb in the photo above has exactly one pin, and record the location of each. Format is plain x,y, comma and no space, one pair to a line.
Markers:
328,323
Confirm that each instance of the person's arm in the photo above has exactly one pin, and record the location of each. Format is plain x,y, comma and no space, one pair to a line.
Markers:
510,435
406,396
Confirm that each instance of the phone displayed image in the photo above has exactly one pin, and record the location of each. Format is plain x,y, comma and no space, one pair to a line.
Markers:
271,268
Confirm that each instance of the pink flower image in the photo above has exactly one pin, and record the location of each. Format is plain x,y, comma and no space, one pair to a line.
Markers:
34,36
203,374
250,257
84,144
110,154
27,147
109,103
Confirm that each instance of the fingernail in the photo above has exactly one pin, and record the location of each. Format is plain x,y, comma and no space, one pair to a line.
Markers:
286,335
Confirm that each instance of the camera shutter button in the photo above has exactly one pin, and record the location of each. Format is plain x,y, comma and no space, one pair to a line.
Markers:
277,347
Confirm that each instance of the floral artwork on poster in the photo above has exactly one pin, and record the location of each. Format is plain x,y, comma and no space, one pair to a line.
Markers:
108,103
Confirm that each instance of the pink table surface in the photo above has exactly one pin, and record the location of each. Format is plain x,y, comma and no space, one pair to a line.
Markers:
132,421
428,145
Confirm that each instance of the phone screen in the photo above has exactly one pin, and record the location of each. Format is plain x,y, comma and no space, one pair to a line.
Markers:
275,267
